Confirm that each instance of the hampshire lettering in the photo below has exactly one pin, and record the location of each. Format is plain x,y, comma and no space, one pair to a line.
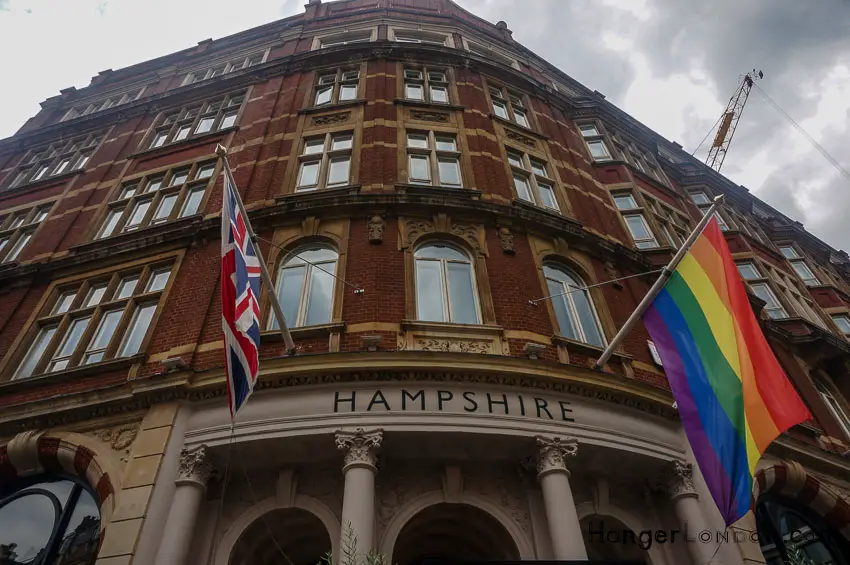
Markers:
446,400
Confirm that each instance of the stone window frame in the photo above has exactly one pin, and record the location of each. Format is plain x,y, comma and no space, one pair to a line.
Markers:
102,103
786,288
561,265
796,257
336,87
433,155
142,180
835,404
447,306
346,35
724,221
426,34
527,157
510,98
844,315
332,233
673,224
763,281
19,223
415,232
426,82
44,315
599,135
226,65
311,271
489,50
52,160
639,210
324,158
188,117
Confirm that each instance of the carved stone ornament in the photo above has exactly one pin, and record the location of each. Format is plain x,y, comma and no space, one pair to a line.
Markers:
331,119
426,116
417,228
195,466
361,447
452,345
506,238
376,229
519,138
119,438
552,453
677,480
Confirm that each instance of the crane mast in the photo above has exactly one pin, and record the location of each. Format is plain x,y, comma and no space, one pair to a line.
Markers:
729,121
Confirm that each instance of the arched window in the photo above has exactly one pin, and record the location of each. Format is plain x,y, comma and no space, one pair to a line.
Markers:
445,285
573,308
791,533
305,287
48,520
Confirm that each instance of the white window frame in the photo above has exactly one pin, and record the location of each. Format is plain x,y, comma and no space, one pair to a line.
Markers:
342,77
325,158
567,293
311,269
354,34
17,228
434,155
226,66
834,407
528,167
514,103
845,317
54,159
703,208
427,79
594,139
798,263
181,124
444,280
490,51
101,104
421,35
650,242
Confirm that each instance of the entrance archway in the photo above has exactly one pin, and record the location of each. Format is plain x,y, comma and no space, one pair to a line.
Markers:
456,532
298,533
612,541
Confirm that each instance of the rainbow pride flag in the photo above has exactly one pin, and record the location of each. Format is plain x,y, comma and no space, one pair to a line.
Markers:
733,397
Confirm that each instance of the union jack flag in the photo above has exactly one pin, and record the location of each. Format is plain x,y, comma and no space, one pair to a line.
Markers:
240,308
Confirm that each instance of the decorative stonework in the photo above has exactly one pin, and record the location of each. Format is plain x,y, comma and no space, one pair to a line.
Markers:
361,447
417,228
376,229
453,345
498,483
331,119
519,138
195,466
401,483
426,116
552,453
470,234
119,438
677,480
506,238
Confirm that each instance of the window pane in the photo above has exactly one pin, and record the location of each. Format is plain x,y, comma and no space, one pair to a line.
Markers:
193,202
320,297
789,252
522,188
61,166
430,299
39,172
323,95
772,305
40,215
413,91
347,92
449,172
515,160
154,184
700,198
417,140
229,120
547,195
420,169
588,130
204,125
461,293
598,150
586,318
338,172
327,79
166,205
158,280
126,287
313,146
538,168
139,213
289,294
179,177
500,109
446,143
34,354
439,94
843,323
205,171
18,246
63,303
638,228
182,133
26,524
340,142
137,330
309,175
520,118
625,202
111,222
562,311
72,339
748,271
440,252
104,333
95,295
805,272
159,139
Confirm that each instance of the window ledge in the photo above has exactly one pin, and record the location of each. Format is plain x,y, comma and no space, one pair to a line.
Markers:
476,329
321,194
69,374
519,203
427,189
305,332
331,107
41,182
146,235
586,348
183,144
430,105
518,127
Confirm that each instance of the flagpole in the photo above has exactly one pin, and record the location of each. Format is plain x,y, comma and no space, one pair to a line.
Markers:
264,270
659,284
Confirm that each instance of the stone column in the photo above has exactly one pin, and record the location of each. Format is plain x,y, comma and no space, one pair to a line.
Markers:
192,476
358,501
564,527
677,482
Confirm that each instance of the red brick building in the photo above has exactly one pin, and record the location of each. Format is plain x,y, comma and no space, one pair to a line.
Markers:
421,155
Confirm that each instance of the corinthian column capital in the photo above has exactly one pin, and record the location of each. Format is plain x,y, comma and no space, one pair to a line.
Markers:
677,479
361,446
195,466
552,454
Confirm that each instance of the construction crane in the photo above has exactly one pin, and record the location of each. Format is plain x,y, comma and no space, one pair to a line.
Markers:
729,121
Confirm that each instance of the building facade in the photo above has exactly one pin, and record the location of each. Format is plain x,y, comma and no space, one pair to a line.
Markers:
418,181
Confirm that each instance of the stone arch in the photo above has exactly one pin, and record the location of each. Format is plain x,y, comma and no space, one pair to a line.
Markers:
791,480
234,531
632,522
420,503
53,452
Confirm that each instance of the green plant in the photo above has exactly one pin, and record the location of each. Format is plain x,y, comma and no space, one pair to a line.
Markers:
349,552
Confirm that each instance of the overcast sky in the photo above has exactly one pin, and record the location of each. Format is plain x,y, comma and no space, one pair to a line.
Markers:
672,64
